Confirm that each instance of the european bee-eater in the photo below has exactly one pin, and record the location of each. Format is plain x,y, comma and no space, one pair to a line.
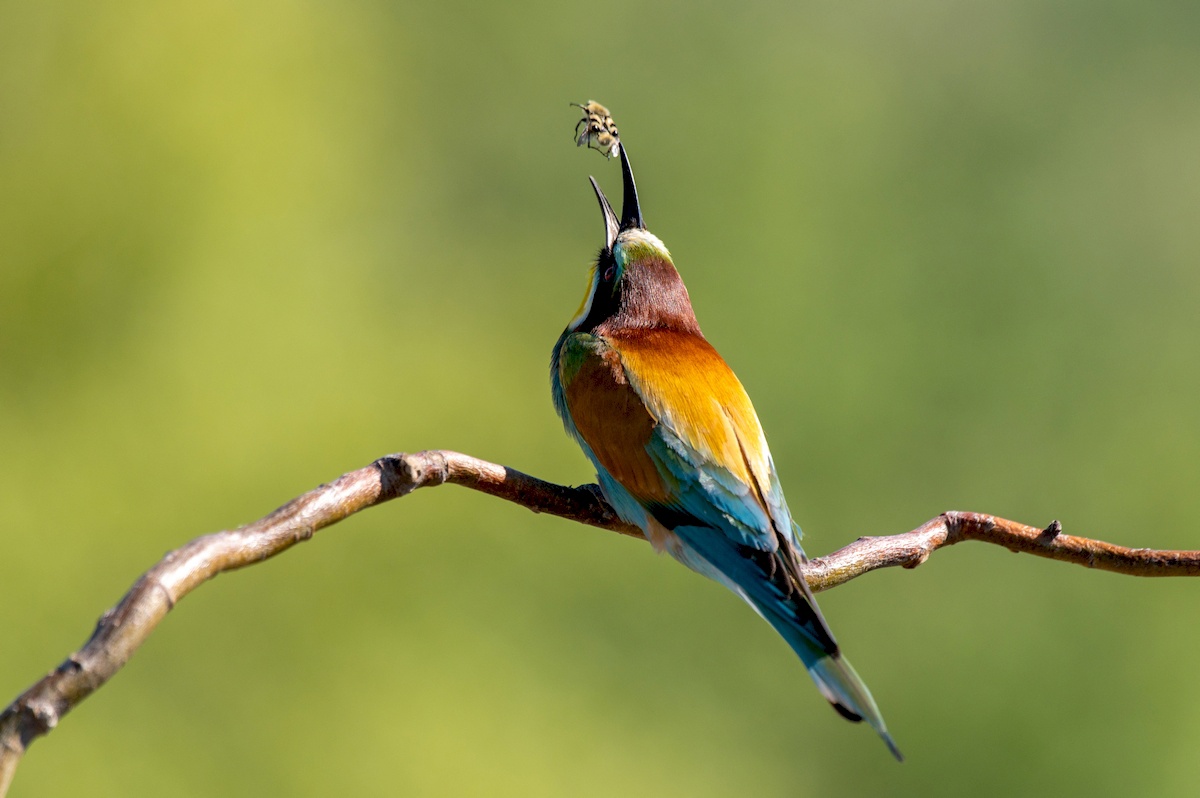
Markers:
678,448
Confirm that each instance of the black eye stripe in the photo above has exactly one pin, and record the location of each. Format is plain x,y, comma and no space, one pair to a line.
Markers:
609,272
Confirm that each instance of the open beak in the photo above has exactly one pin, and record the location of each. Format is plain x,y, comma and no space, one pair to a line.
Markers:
631,211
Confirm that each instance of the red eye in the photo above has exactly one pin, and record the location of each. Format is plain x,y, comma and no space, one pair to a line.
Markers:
609,272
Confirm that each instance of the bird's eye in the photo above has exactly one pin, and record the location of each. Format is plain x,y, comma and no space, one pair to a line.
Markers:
609,272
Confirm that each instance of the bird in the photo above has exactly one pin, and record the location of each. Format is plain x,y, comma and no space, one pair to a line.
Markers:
678,448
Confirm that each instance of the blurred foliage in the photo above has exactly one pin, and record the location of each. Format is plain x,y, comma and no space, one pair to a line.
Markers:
951,249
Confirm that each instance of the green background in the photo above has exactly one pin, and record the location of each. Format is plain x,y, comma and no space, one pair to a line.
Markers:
950,248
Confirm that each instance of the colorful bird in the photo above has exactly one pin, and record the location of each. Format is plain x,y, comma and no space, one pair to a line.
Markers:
678,448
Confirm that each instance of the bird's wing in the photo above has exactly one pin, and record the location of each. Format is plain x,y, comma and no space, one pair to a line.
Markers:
665,419
724,499
707,440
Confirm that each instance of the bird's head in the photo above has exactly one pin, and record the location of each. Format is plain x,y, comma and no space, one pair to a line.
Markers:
633,283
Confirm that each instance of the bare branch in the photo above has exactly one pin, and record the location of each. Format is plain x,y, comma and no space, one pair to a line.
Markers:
912,548
126,626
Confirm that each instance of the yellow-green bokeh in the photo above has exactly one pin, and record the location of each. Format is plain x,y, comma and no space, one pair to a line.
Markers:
952,249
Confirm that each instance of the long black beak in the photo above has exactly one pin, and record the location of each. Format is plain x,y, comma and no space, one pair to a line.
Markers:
631,211
611,225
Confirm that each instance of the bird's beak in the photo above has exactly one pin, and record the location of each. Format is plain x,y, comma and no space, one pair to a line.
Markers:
631,212
611,225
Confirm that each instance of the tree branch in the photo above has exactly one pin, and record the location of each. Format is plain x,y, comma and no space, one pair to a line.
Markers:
122,629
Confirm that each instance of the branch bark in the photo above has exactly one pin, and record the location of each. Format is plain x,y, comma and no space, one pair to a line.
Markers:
122,629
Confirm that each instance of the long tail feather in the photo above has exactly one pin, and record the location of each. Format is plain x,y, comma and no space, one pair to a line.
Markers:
838,682
834,675
761,578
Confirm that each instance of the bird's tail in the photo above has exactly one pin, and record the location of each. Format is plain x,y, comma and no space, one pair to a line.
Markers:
835,678
837,681
765,581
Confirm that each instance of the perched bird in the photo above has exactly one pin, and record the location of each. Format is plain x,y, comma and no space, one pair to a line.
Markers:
678,448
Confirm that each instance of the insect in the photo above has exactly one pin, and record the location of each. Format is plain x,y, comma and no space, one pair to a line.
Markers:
597,129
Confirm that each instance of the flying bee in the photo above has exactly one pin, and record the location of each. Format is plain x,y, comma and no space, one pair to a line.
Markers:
597,129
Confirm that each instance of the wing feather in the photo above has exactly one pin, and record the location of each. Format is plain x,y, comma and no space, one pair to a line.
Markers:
708,438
